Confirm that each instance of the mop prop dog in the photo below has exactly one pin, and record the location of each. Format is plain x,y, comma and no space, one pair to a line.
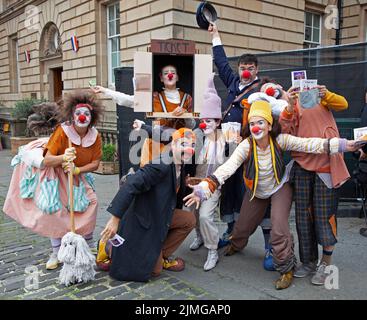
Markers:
74,252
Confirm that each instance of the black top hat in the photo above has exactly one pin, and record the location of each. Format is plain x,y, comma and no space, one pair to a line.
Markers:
205,14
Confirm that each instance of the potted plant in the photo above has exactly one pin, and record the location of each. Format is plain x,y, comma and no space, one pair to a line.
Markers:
34,118
109,163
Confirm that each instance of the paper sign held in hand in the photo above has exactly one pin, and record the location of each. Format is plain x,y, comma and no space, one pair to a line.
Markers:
116,240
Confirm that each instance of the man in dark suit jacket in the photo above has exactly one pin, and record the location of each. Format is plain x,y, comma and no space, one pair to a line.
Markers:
240,85
146,214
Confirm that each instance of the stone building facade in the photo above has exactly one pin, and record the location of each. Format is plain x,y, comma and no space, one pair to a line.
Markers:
37,57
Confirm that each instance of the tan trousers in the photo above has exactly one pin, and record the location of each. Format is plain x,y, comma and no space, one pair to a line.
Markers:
252,213
181,225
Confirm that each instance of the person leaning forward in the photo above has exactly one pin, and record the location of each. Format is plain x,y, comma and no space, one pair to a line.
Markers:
146,213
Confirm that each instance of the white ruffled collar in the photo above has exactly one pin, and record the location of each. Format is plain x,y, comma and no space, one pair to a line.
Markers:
89,139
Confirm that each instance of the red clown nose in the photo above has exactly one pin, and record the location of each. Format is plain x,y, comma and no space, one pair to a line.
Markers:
255,129
190,151
246,74
82,118
202,126
270,91
170,76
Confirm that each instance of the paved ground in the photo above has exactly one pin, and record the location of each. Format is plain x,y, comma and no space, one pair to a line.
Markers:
237,277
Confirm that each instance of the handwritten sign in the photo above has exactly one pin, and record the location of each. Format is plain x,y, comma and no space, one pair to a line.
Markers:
174,47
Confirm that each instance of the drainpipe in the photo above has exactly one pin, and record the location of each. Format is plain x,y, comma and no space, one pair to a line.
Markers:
338,35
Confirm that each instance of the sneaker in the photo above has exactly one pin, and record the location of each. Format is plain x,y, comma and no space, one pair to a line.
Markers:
52,262
197,243
211,260
305,269
176,264
224,241
284,281
268,260
320,275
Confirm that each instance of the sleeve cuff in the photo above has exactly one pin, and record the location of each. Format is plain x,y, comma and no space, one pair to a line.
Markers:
217,42
334,145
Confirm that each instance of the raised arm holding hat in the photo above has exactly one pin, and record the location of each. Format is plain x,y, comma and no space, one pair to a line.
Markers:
240,85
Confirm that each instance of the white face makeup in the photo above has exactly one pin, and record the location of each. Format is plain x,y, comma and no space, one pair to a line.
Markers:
184,149
169,76
259,127
82,117
210,126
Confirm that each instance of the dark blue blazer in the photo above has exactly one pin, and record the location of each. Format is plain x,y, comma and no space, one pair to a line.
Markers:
231,80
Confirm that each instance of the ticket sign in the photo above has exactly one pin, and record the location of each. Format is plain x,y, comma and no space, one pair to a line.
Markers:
193,71
172,47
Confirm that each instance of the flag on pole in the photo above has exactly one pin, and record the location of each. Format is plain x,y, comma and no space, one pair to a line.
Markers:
27,54
74,43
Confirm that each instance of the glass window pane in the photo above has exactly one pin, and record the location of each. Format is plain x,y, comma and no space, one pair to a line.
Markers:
316,35
308,33
115,59
316,21
117,26
308,19
111,13
117,11
114,44
112,28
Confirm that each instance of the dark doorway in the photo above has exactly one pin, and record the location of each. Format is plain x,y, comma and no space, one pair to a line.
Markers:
58,85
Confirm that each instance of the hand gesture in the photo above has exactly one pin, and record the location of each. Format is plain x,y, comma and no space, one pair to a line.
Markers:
69,166
69,154
137,124
213,30
292,96
110,230
178,112
192,198
322,91
352,145
98,89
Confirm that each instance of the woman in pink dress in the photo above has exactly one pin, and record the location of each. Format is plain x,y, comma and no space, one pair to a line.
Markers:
38,192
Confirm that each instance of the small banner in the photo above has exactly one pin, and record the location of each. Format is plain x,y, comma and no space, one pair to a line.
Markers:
74,43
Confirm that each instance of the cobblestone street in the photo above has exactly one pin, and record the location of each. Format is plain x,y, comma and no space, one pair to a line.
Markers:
237,277
21,249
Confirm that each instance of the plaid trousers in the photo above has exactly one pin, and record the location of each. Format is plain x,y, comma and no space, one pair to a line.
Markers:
316,208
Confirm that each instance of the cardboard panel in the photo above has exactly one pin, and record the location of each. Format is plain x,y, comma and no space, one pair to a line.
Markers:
143,82
203,68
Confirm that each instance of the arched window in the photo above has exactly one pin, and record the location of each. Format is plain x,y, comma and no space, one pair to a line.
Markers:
50,44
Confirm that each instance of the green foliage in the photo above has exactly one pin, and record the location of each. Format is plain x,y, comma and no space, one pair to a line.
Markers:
108,152
23,108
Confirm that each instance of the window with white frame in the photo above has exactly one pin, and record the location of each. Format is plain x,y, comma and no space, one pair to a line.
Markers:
113,39
312,28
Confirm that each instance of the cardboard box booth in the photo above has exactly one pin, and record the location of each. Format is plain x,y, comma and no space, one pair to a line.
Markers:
193,70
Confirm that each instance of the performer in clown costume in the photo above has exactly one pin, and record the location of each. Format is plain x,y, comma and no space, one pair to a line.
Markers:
38,191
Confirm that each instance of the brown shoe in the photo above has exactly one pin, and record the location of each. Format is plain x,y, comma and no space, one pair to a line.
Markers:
284,281
230,250
176,264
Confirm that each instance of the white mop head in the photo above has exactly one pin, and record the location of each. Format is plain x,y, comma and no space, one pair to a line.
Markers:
78,261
